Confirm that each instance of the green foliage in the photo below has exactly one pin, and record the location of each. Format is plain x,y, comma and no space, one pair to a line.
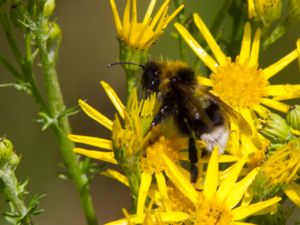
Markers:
13,190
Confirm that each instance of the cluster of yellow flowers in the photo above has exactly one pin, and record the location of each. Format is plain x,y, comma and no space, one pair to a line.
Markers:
237,187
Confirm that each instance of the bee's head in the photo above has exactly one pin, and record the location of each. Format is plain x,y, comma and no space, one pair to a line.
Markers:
151,77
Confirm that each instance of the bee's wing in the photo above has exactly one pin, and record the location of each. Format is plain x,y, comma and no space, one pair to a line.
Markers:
194,109
242,123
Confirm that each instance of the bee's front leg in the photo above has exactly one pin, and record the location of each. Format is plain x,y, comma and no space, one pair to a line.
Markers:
164,112
193,157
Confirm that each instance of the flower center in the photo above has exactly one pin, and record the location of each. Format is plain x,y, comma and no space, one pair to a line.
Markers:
239,85
179,202
211,212
152,161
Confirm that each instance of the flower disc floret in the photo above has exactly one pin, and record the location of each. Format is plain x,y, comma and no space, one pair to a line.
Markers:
211,212
239,85
153,161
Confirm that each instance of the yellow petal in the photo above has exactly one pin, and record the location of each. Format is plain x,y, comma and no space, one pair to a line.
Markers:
246,44
248,116
273,69
93,141
171,17
284,91
116,16
234,140
146,179
114,98
161,22
240,188
213,45
196,47
103,156
292,190
126,19
245,211
255,49
94,114
166,217
228,183
180,181
228,158
173,217
204,81
134,12
162,187
254,140
251,9
160,11
242,223
262,111
247,146
248,196
116,175
272,103
149,12
212,175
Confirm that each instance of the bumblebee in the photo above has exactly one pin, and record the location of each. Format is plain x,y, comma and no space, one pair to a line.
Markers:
197,113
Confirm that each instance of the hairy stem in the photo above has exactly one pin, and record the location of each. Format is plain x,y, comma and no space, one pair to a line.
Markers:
11,187
62,129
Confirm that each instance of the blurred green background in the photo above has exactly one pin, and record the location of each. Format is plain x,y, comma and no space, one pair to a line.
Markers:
89,44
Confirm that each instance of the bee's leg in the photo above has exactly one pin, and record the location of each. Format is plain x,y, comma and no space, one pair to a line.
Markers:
193,157
164,111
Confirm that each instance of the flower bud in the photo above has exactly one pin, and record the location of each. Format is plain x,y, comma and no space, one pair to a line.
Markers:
55,32
49,7
267,11
276,129
7,155
294,10
293,117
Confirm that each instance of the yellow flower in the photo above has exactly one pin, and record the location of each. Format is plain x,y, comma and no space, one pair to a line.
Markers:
141,35
241,83
219,201
153,164
282,168
137,118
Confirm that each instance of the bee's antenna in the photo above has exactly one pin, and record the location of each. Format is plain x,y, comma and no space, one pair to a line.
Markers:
122,63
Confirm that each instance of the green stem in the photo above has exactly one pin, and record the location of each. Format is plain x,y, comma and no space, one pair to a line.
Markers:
11,187
131,80
55,105
29,75
62,129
